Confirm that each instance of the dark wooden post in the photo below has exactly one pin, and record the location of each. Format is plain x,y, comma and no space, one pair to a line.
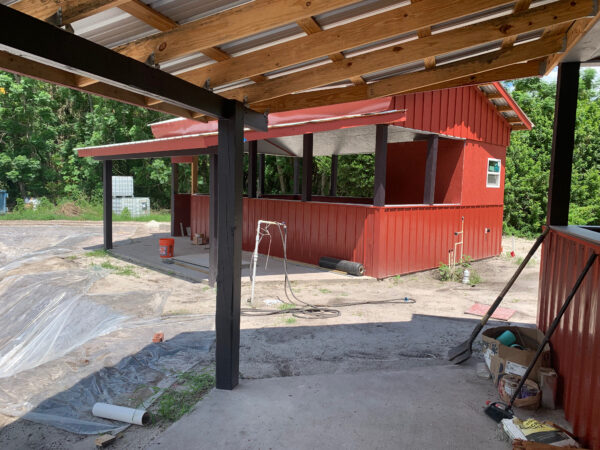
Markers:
296,176
107,203
174,188
213,224
430,169
252,153
563,141
381,143
307,167
229,181
334,168
261,174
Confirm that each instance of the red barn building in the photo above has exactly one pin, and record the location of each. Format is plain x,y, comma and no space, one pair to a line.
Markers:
439,168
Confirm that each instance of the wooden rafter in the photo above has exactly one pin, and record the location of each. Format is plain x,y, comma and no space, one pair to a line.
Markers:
70,10
235,23
454,74
146,14
351,35
520,5
428,46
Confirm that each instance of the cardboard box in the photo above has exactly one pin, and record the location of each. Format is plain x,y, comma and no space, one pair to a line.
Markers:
501,359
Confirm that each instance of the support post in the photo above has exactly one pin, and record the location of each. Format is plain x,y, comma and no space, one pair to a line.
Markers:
174,188
296,176
563,141
381,144
252,160
334,170
307,167
194,187
261,175
213,221
430,169
107,203
229,182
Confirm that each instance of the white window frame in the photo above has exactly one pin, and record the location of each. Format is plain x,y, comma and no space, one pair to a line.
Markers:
488,173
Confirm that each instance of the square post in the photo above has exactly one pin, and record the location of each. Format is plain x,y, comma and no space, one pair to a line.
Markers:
296,190
229,182
107,203
261,175
174,188
252,161
194,187
430,169
381,144
563,141
307,167
213,220
334,170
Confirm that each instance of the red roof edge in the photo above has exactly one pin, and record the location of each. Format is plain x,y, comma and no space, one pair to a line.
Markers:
511,102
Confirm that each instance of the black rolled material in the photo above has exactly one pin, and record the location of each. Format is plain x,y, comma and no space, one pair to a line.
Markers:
350,267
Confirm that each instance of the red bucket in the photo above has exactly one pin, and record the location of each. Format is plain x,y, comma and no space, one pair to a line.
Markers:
165,247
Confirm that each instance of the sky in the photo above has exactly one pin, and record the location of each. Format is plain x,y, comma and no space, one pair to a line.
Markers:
552,75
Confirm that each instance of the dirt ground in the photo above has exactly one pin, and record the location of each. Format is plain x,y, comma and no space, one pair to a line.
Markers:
391,335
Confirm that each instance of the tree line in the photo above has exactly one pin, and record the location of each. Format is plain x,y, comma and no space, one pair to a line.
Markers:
41,125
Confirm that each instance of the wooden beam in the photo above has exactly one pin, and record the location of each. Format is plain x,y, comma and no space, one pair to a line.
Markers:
107,204
493,95
334,176
44,43
252,163
174,188
381,148
519,127
430,170
503,108
355,34
229,272
32,69
415,50
576,32
194,180
563,142
235,23
513,119
520,5
307,166
146,14
213,218
422,80
70,10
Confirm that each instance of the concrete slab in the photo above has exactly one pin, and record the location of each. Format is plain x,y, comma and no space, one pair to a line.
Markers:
425,408
191,262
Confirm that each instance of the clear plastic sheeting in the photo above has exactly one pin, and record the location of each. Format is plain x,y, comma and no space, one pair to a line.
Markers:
65,345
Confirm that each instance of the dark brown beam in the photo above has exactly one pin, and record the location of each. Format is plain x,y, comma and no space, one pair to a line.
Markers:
213,221
307,167
229,271
334,176
41,42
107,204
252,161
296,176
261,174
381,144
174,189
563,142
430,169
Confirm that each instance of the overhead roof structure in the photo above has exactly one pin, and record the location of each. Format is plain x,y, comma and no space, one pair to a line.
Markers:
286,55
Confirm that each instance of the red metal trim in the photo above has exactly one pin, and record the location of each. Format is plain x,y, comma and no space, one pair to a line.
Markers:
516,108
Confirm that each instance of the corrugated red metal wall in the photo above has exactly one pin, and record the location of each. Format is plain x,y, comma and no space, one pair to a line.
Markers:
462,112
387,240
182,212
576,342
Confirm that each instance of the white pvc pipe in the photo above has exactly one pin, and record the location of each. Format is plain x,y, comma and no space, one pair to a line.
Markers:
254,260
121,413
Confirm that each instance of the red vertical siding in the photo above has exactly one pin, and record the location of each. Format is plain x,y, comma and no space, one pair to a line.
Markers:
181,211
576,342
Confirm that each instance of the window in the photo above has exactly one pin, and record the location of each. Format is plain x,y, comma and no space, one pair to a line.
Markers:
493,173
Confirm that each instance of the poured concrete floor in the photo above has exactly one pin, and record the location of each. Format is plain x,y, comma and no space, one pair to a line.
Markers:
424,408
